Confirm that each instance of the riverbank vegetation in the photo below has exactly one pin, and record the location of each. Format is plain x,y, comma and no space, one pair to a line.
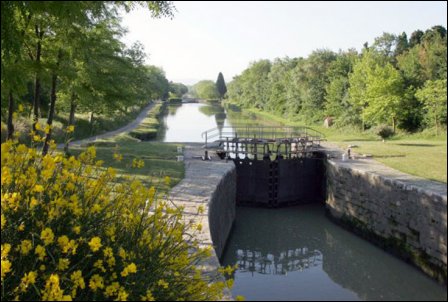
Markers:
66,62
396,81
94,222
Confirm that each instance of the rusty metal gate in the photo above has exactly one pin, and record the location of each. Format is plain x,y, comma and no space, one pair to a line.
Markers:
280,182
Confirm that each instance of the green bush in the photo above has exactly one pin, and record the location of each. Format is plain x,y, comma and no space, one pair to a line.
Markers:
384,131
70,231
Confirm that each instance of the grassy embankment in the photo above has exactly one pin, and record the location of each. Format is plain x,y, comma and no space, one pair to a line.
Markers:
83,127
417,154
159,158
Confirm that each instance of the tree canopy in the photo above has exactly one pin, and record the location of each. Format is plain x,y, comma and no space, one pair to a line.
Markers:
388,82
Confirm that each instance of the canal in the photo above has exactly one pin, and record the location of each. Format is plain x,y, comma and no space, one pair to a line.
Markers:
297,253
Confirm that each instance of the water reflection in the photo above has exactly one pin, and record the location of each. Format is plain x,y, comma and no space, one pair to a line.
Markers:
277,264
186,122
298,254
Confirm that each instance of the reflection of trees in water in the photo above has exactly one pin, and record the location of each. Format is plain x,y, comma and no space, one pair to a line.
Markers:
275,242
171,109
279,263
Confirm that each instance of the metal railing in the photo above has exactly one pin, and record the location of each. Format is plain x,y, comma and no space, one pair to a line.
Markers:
261,133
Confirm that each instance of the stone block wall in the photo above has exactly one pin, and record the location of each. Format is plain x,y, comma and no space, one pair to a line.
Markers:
403,214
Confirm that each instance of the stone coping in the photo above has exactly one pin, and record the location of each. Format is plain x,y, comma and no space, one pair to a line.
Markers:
198,187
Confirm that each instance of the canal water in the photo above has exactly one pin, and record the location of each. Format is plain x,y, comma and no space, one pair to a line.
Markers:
296,253
186,122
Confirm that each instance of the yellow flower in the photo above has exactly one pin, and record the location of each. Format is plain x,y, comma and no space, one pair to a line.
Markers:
148,297
70,129
162,283
95,244
112,289
27,279
47,236
122,253
25,247
21,227
34,202
76,230
52,291
63,264
20,108
6,268
167,180
47,128
138,163
122,295
96,282
42,267
99,265
3,219
63,243
118,157
130,269
40,251
77,279
38,126
5,250
38,188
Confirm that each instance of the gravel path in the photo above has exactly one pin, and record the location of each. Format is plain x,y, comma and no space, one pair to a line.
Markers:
109,134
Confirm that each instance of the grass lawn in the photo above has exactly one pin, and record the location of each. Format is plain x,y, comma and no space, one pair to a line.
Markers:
413,154
159,159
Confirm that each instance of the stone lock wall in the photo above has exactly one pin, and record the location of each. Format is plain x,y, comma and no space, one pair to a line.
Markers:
403,214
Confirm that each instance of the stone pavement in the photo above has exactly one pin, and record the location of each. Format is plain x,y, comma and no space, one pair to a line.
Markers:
212,185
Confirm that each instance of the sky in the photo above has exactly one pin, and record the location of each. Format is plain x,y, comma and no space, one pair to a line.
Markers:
205,38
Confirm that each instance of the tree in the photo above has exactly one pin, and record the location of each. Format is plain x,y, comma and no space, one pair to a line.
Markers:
416,38
205,89
221,86
402,44
35,33
177,90
376,89
434,97
337,105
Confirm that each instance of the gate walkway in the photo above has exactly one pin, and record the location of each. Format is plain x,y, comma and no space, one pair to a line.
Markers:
258,142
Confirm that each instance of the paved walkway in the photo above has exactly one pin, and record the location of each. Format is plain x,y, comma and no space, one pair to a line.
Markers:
207,182
131,126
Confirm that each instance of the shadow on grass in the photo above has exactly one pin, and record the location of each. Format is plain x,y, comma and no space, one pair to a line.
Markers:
360,140
417,145
389,156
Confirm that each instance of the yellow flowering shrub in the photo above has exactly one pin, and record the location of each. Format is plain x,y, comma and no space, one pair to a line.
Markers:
71,231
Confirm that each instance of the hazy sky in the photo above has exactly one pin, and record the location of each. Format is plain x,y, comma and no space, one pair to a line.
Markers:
205,38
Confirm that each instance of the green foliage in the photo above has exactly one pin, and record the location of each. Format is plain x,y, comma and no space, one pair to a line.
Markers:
205,90
148,128
177,90
434,97
367,89
78,45
71,231
221,85
384,131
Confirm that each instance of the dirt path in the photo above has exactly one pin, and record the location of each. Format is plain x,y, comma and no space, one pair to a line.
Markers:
109,134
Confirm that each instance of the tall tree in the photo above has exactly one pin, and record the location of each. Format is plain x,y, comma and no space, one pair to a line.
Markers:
434,97
221,86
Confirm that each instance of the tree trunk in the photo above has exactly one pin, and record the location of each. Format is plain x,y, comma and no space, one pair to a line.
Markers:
36,103
71,119
394,124
54,79
10,115
91,121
